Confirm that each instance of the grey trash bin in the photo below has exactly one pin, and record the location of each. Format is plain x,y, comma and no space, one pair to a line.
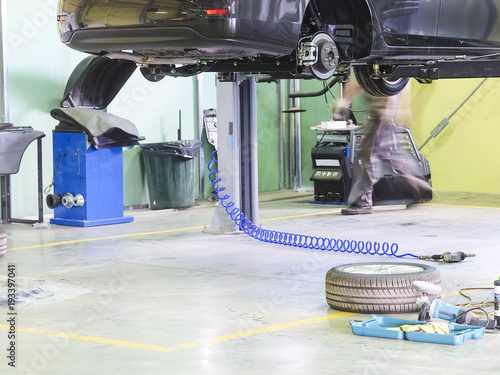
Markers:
170,173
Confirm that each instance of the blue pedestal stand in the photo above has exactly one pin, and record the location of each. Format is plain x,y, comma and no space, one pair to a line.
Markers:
97,175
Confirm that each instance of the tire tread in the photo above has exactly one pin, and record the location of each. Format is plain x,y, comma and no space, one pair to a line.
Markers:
376,87
374,293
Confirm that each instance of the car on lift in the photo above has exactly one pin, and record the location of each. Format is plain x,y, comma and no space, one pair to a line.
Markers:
386,42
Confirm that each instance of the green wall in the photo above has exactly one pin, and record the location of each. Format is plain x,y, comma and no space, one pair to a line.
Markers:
268,121
317,109
38,67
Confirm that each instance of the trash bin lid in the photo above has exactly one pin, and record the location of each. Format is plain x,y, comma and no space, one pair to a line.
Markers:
188,148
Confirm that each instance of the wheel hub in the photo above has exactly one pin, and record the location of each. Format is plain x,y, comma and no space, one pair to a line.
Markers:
319,56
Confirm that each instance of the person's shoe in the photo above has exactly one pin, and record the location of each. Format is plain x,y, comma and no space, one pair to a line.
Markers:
357,210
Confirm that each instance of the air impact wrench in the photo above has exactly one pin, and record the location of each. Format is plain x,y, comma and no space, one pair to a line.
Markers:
448,257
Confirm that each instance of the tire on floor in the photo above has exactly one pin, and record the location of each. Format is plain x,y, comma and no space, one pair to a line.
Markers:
377,287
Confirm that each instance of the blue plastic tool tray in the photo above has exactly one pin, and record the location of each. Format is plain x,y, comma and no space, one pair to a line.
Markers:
379,327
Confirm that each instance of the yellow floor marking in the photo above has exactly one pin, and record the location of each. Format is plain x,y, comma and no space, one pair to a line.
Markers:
150,233
454,205
302,215
157,348
188,345
104,238
99,340
201,227
265,330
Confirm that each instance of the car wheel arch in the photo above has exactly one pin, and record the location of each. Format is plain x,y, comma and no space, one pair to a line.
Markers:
357,13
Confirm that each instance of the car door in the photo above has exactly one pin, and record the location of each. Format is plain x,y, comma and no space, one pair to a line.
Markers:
469,22
408,22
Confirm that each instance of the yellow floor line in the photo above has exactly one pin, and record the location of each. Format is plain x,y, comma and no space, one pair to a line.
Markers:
302,215
99,340
460,206
265,330
104,238
156,348
201,227
152,233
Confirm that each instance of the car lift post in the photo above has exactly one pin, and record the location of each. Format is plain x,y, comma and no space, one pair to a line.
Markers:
237,149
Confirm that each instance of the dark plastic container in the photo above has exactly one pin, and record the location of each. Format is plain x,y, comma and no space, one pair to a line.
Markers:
170,173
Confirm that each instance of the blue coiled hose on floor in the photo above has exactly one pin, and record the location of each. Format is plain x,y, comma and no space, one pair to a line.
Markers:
292,239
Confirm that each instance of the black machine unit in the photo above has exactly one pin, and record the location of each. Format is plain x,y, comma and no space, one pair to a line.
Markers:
333,160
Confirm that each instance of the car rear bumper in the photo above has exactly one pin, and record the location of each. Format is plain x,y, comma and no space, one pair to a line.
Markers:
214,41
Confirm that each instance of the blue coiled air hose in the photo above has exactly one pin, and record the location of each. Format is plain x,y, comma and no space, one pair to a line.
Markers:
292,239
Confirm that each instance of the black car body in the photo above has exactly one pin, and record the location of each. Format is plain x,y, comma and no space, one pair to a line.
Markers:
384,40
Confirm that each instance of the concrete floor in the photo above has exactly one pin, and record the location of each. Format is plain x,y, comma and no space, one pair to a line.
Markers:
162,297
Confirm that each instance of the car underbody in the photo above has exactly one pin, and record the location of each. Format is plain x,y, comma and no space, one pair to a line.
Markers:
299,39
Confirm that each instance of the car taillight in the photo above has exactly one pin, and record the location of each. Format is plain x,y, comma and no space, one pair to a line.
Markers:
217,12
